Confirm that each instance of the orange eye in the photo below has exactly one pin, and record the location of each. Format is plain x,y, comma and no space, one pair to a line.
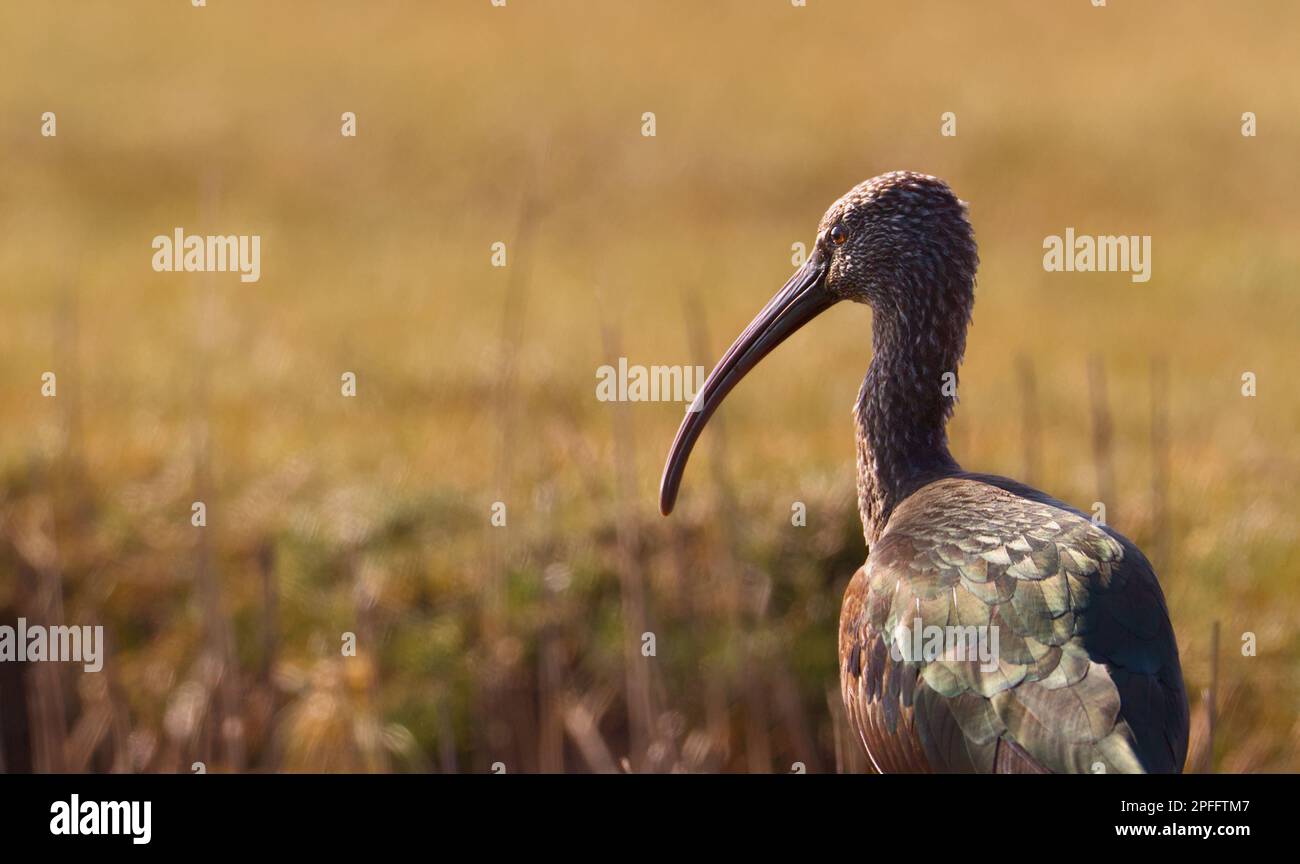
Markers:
839,235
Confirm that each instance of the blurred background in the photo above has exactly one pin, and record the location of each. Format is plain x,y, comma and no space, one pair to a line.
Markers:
519,647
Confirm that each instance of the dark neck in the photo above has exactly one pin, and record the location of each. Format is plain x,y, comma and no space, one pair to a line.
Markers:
902,412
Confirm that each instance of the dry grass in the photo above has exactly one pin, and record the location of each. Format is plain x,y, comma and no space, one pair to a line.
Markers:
521,645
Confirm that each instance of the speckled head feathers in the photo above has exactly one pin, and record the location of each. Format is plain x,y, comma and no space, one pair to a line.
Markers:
904,246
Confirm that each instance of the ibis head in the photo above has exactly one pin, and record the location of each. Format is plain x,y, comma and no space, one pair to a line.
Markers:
900,243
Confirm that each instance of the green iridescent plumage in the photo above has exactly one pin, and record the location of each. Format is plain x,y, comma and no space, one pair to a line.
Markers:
1064,595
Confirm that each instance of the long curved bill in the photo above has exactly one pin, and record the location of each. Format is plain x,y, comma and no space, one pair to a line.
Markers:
802,299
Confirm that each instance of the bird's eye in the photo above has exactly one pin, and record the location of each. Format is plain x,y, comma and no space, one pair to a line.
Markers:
839,235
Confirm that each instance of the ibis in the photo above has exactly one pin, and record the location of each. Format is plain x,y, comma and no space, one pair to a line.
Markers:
1084,676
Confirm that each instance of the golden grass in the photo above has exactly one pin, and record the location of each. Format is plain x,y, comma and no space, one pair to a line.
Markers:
370,515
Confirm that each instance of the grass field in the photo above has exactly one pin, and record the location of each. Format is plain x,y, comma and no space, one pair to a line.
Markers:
521,644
